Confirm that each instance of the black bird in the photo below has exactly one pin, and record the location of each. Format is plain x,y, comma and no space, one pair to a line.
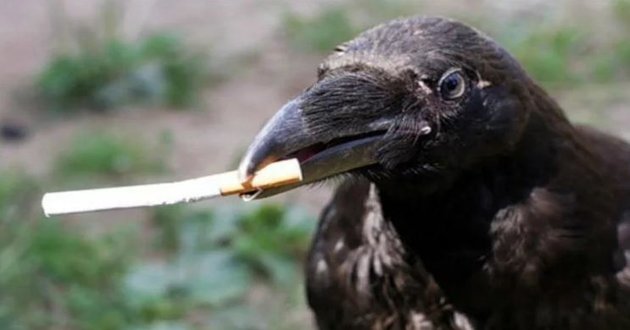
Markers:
469,201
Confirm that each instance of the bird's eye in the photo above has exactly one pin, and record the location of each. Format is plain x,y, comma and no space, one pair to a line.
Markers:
452,85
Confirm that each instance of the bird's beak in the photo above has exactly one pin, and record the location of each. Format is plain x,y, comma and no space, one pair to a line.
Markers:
321,154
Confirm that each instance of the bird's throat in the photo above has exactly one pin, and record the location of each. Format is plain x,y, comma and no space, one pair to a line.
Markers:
450,227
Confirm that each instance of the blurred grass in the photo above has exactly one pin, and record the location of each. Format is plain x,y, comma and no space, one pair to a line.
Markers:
215,259
547,52
338,23
51,277
101,155
557,53
621,11
56,276
156,70
267,240
97,68
221,268
16,192
320,33
561,56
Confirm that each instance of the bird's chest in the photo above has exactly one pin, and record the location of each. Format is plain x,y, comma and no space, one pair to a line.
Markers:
452,237
377,283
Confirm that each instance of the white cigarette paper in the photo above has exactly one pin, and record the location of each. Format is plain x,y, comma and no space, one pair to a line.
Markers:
223,184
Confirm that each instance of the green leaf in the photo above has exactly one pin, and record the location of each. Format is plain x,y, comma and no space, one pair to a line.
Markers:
163,325
238,317
282,270
148,281
196,231
216,278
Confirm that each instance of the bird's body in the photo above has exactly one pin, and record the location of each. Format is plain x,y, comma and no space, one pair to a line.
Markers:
472,202
362,274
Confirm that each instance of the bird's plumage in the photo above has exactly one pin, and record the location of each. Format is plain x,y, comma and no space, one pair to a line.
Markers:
473,204
362,277
523,240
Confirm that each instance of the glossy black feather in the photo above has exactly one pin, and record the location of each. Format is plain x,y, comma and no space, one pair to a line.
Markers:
506,217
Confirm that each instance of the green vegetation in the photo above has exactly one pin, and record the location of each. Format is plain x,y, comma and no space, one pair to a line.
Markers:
216,258
621,10
52,277
566,55
202,270
103,155
320,33
191,267
16,193
547,53
157,70
264,242
55,278
562,54
97,67
338,23
558,55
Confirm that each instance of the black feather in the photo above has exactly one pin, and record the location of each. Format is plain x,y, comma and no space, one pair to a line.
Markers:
505,216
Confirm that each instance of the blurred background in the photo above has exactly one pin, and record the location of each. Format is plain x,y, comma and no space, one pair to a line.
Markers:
102,93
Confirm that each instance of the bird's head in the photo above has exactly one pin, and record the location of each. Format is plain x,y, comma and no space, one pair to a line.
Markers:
414,100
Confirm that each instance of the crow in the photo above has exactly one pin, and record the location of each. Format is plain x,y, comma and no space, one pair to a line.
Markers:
469,201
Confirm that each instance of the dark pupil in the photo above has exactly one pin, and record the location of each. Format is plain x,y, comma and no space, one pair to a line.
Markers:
451,83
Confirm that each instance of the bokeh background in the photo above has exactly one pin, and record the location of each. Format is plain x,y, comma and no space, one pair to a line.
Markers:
101,93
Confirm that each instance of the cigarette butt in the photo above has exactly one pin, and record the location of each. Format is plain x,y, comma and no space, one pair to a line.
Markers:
223,184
